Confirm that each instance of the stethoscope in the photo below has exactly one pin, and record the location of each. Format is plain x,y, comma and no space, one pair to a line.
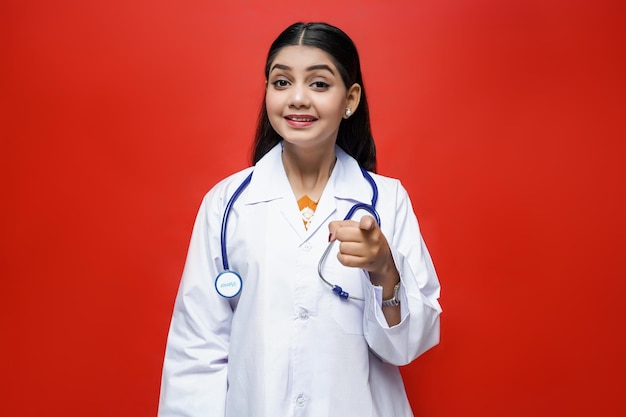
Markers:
228,283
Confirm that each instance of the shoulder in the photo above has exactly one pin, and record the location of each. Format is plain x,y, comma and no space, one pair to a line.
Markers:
389,187
383,180
350,167
218,196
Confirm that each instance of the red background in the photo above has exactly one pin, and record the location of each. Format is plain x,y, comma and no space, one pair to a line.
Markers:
505,121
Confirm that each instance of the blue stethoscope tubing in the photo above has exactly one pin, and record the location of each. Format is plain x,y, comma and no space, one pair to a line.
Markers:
227,211
370,208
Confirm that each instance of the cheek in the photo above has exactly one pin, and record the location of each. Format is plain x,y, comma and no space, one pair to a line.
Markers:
274,110
334,104
272,103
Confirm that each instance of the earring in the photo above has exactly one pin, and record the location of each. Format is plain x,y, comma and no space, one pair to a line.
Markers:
348,112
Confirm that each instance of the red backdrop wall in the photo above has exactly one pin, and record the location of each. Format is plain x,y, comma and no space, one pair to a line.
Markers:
505,121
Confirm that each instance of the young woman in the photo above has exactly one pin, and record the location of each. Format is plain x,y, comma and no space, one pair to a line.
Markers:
307,282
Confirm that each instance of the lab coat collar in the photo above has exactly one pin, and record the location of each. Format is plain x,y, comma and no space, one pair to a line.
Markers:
347,179
269,181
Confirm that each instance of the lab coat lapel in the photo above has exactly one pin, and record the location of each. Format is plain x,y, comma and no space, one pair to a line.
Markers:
346,187
326,207
270,184
291,213
350,184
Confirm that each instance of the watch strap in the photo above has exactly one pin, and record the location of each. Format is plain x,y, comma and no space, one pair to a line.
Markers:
393,301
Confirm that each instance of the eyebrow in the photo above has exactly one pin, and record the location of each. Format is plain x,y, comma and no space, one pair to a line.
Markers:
311,68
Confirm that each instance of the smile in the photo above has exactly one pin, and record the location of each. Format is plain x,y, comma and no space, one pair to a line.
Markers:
300,121
302,118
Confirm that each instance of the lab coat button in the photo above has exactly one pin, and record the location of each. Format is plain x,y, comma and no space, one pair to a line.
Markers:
307,246
300,400
304,314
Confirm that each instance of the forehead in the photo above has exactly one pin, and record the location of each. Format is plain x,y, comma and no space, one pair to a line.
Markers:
300,57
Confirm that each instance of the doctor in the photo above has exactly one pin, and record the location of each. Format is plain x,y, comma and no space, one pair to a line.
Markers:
276,338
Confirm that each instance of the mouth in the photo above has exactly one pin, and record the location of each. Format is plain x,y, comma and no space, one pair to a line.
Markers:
304,118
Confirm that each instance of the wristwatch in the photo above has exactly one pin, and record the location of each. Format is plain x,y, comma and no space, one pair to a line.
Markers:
393,301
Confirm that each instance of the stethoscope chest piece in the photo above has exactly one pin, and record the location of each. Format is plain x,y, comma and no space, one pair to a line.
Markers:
228,284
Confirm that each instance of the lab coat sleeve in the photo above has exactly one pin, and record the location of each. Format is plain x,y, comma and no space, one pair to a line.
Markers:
194,380
418,329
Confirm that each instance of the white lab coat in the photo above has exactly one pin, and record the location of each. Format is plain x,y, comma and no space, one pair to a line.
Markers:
287,345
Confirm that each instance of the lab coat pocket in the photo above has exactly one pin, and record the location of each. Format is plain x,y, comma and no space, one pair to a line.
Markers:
348,313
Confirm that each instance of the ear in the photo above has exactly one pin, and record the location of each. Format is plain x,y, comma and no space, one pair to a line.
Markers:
353,98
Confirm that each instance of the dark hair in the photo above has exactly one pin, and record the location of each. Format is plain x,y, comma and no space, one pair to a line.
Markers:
355,135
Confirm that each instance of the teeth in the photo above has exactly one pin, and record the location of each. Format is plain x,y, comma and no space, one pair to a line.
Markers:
302,119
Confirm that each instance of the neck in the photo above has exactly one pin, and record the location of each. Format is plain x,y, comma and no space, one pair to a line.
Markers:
308,170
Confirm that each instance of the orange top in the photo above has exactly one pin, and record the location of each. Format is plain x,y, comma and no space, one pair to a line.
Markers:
307,209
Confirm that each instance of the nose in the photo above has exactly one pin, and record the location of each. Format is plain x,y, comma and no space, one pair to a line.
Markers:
299,96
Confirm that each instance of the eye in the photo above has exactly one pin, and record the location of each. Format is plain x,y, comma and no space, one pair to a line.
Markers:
280,83
320,85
